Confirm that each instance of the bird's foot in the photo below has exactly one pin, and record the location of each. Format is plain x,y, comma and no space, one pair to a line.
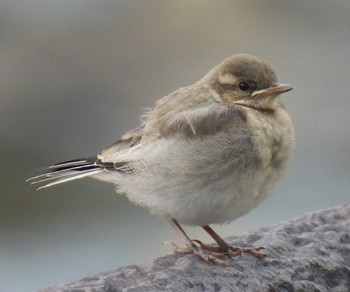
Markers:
255,251
208,255
233,251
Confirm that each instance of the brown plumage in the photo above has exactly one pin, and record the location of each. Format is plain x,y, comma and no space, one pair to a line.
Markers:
207,153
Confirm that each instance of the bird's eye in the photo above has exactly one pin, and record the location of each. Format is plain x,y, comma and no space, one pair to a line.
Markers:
244,86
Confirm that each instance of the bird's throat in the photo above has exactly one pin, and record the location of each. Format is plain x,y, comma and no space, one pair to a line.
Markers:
265,104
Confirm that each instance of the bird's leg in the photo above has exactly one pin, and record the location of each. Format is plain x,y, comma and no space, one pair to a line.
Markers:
226,248
205,254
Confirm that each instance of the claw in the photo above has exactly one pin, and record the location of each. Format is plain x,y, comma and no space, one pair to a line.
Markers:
255,252
207,255
214,260
214,249
233,251
208,252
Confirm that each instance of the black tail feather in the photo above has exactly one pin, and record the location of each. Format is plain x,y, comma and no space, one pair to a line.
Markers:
66,171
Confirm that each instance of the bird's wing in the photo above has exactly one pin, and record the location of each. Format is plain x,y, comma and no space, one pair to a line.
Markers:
120,150
203,121
197,122
193,123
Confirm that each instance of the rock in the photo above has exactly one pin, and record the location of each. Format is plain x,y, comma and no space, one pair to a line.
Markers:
309,253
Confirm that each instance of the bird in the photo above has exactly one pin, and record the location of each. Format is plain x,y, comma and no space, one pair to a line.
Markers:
205,154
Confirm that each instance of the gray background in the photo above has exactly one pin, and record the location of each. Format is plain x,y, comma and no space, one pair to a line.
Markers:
75,75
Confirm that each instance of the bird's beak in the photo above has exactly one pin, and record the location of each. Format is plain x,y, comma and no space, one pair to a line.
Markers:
274,90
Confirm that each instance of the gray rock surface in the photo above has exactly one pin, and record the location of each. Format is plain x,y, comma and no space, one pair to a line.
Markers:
309,253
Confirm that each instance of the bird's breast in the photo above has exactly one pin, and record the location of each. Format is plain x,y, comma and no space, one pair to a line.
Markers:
273,138
214,179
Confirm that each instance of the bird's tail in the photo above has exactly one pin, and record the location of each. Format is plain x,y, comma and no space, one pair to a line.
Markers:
66,171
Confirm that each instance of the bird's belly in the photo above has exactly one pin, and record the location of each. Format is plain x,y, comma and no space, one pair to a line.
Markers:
194,201
201,189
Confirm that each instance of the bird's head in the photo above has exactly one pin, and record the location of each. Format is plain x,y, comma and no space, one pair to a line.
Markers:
246,80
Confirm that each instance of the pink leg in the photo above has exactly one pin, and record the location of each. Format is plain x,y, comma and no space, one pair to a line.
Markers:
205,254
226,248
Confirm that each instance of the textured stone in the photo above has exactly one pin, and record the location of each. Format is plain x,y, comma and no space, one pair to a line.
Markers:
309,253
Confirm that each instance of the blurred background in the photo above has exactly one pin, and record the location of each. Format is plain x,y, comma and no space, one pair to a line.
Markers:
75,75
